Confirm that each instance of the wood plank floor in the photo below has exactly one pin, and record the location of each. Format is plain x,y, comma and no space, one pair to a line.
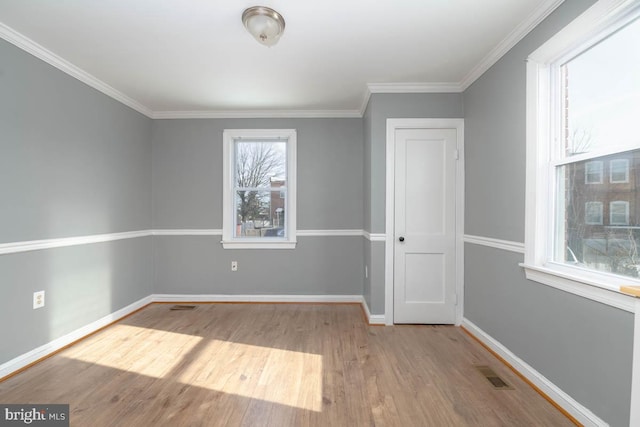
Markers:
277,365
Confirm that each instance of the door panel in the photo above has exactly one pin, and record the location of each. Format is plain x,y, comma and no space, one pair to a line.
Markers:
425,214
424,269
423,165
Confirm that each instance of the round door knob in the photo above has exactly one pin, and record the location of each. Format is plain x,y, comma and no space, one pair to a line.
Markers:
401,239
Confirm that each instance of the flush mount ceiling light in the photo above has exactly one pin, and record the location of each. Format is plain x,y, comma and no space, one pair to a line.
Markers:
265,24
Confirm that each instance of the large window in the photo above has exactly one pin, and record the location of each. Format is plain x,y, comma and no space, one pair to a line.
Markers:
259,188
583,150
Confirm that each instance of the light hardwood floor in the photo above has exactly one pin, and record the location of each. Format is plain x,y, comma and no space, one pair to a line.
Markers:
277,365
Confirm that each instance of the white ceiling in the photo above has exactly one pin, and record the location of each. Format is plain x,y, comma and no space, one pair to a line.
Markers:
193,58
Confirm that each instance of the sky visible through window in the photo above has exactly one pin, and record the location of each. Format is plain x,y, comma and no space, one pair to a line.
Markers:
604,89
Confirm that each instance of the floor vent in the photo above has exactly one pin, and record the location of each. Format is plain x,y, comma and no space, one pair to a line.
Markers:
183,307
497,382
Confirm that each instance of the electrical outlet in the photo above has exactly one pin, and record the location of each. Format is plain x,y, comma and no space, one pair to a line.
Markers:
234,265
38,299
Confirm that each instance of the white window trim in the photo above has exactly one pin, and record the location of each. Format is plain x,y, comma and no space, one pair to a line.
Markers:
626,212
586,209
626,170
600,19
600,173
229,217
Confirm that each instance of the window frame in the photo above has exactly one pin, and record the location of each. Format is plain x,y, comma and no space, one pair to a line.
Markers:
601,215
600,163
626,170
543,116
229,241
626,212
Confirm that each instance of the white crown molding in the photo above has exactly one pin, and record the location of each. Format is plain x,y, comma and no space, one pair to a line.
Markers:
518,33
447,87
34,245
438,87
28,45
45,350
579,412
494,55
257,114
505,245
365,102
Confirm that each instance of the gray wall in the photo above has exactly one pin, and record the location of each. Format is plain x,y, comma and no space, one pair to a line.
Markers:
317,266
76,162
187,171
386,106
73,162
382,107
582,346
187,193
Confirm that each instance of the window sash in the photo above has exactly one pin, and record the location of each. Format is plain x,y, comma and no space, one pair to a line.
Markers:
259,188
614,208
230,188
543,115
625,171
589,209
598,171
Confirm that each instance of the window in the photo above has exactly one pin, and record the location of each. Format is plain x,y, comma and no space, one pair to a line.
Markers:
593,213
619,171
259,189
593,172
582,103
619,213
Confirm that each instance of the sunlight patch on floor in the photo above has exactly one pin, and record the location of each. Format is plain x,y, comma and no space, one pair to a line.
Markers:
281,376
155,356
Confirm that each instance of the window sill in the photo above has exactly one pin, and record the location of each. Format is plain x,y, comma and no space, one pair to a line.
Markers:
258,244
588,287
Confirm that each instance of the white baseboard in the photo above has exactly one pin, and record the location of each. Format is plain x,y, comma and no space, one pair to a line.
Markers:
578,411
373,319
254,298
36,354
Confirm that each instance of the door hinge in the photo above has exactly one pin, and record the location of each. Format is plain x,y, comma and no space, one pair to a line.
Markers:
456,154
455,299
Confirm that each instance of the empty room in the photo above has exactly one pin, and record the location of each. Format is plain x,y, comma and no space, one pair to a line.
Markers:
410,213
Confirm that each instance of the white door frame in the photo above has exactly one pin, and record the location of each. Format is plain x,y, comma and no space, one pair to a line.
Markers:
392,126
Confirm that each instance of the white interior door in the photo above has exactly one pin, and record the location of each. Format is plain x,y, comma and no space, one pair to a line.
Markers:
425,226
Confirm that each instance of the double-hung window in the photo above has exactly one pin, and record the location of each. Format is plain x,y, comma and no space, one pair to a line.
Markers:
583,151
259,190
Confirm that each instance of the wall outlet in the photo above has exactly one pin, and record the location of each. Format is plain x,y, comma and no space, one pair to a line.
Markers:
38,299
234,265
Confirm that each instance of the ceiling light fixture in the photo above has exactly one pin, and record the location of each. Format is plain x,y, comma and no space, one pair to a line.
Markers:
265,24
